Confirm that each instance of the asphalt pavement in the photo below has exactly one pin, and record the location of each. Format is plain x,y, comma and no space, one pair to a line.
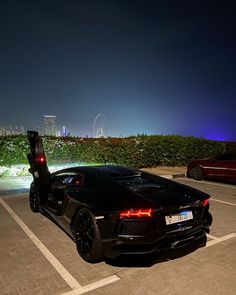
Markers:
37,258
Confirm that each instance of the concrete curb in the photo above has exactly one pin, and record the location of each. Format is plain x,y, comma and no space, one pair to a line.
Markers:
169,176
179,175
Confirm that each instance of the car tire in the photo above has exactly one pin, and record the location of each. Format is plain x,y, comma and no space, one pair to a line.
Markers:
87,236
196,173
34,200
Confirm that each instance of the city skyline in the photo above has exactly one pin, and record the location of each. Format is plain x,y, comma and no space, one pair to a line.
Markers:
49,126
151,67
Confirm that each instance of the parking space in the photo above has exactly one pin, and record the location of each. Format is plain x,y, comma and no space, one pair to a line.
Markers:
39,258
23,269
222,202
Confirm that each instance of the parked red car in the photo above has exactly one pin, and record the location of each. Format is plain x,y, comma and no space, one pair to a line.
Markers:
220,168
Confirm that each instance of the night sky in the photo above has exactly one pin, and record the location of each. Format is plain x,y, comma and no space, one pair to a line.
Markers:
155,67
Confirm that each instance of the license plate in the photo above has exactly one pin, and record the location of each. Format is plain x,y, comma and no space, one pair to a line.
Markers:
182,216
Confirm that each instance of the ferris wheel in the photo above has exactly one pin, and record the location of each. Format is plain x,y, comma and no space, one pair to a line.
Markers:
99,125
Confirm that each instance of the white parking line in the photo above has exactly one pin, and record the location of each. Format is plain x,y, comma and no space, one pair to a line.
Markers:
216,184
77,289
207,182
70,280
224,202
218,240
211,237
63,272
93,286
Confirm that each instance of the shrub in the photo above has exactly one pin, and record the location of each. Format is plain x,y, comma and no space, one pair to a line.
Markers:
13,150
136,151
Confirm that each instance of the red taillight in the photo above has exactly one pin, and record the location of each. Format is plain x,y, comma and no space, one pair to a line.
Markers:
133,213
205,202
40,159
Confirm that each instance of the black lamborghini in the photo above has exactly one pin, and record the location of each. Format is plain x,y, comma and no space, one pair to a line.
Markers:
113,210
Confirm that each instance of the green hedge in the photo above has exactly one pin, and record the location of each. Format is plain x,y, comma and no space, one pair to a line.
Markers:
13,150
137,151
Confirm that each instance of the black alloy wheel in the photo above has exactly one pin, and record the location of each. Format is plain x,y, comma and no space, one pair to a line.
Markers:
196,173
34,201
87,236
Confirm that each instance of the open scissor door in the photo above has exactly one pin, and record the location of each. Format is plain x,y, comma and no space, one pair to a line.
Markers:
38,165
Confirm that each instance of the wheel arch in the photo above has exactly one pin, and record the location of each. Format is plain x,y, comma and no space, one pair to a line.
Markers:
72,223
94,253
198,166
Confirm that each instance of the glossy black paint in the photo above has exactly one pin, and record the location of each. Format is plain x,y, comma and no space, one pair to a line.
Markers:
107,190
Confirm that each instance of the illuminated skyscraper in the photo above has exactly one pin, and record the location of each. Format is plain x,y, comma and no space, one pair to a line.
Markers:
49,125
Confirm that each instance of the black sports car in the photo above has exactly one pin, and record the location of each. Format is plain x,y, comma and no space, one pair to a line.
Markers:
113,210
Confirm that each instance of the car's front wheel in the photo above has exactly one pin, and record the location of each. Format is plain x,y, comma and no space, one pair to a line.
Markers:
87,236
34,200
196,173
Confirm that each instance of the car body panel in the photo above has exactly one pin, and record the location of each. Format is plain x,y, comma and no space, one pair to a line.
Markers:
221,168
106,199
108,191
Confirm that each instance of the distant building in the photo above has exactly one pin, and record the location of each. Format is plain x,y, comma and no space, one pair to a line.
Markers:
49,125
64,131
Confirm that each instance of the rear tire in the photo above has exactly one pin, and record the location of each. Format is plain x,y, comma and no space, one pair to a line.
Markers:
87,236
196,173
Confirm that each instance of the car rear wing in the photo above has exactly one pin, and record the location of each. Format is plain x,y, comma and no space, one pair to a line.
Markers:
38,162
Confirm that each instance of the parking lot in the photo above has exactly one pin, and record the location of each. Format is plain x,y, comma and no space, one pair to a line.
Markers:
38,258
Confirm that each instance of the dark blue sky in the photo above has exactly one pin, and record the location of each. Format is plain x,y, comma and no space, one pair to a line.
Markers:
156,67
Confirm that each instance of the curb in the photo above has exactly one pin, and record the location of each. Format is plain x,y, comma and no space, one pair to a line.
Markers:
179,175
169,176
